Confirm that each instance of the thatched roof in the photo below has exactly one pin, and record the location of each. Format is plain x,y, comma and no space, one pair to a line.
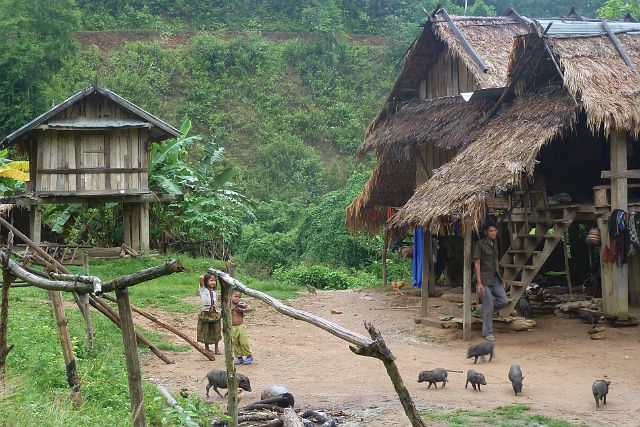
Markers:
598,77
503,152
444,122
491,38
390,184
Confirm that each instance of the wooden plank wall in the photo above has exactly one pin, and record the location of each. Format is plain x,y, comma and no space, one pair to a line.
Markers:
124,148
449,76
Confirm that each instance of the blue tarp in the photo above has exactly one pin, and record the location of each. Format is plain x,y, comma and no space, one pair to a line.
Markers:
416,263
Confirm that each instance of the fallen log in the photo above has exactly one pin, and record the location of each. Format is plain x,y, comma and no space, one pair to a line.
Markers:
291,419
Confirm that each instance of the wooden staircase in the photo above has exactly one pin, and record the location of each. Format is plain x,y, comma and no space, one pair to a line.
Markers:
530,249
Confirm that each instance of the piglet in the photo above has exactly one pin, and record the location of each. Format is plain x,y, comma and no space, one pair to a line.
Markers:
482,349
434,376
515,376
475,378
218,379
600,388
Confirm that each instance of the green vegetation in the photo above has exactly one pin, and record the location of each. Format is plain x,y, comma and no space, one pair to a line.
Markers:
503,416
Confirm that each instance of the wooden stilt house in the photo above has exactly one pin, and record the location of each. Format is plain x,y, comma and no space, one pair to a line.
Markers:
92,148
452,55
566,123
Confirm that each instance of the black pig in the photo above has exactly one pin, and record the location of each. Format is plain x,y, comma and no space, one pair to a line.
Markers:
482,349
475,378
515,376
218,379
600,388
434,376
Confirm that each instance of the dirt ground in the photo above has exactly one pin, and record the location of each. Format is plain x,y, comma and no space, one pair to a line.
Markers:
558,359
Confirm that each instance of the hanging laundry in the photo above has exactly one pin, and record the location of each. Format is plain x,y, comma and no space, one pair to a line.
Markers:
416,262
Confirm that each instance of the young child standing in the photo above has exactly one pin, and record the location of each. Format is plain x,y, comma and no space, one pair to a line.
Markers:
209,325
238,331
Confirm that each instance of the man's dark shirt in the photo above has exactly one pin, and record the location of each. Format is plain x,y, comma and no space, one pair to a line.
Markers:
488,256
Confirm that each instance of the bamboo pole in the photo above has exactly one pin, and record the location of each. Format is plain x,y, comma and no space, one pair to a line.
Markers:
232,379
106,310
385,248
4,319
60,317
84,300
131,356
157,321
374,347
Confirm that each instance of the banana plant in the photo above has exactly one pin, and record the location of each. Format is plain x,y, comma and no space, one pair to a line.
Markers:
13,174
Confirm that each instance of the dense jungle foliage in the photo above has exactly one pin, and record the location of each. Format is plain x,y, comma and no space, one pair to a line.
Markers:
267,168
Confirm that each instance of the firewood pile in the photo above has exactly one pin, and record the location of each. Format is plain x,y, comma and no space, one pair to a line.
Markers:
282,417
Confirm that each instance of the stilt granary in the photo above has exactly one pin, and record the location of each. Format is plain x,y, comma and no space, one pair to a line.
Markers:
92,148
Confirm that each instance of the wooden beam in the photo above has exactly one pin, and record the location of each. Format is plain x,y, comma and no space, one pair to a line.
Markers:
83,197
616,42
424,290
626,174
131,356
466,297
35,223
385,248
92,170
619,301
144,227
463,41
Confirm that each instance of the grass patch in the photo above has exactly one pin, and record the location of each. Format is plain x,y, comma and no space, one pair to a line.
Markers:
504,416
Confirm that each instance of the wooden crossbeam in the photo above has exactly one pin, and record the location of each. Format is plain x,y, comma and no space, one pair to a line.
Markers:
467,47
616,42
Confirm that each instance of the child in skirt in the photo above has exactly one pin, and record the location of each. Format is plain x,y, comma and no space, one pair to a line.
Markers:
239,331
209,325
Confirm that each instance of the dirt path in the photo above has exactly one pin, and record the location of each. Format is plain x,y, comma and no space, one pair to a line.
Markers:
558,359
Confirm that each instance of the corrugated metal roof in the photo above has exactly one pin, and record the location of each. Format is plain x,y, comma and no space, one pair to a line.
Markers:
561,27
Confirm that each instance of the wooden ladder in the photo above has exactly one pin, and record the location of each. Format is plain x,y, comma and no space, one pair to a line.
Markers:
530,249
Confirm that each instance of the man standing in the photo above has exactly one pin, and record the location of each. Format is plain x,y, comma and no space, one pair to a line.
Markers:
489,285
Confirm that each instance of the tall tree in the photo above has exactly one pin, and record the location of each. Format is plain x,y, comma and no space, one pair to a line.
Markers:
36,41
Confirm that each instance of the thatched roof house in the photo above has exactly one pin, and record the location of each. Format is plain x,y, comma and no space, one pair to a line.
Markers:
606,92
453,54
560,123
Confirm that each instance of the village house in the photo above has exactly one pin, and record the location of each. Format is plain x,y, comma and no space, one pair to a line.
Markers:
563,121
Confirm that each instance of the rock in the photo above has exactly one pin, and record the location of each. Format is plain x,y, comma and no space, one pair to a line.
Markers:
336,312
596,329
453,297
597,336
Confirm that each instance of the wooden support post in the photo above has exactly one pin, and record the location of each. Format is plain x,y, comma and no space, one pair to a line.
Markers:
4,319
466,297
385,248
67,349
84,301
432,267
566,261
131,355
126,224
135,227
232,380
618,304
144,227
424,291
35,223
